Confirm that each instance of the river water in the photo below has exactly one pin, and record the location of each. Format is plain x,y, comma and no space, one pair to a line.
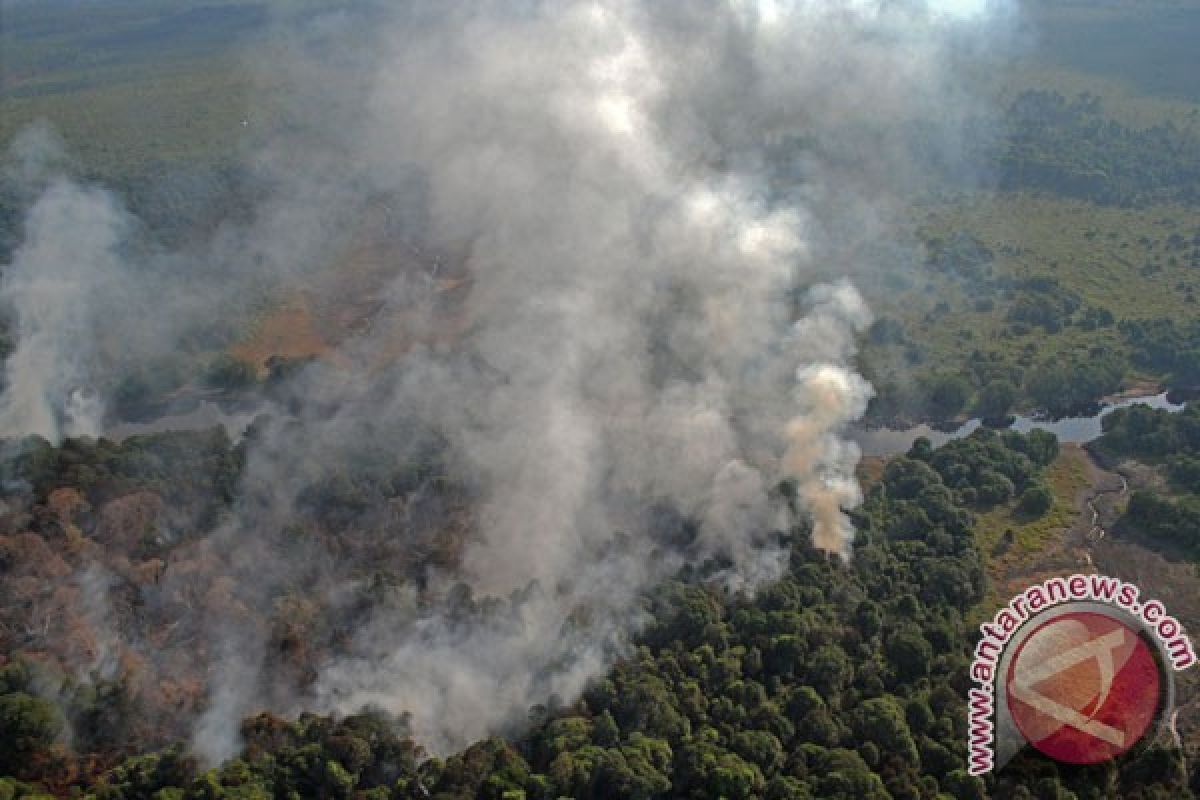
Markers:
888,441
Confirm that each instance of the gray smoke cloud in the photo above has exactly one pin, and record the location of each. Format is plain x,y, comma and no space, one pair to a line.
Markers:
70,247
629,310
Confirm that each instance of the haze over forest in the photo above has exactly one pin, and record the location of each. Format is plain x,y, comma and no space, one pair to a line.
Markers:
410,400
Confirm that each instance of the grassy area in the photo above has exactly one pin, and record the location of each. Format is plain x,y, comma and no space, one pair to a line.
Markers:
288,331
1149,46
134,86
185,112
1120,260
1100,252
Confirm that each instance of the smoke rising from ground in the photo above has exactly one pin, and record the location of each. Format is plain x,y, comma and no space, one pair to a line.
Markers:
70,246
648,204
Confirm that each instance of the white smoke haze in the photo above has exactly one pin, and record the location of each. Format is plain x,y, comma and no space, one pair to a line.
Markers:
95,584
649,205
71,239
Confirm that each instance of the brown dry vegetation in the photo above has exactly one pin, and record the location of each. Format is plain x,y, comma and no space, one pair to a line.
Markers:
365,291
115,589
288,331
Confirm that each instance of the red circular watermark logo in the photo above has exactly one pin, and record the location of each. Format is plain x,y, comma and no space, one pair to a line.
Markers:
1084,687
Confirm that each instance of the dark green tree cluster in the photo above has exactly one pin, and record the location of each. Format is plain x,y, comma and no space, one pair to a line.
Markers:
996,399
1167,347
1151,434
982,469
959,254
1070,146
1172,441
230,374
1173,522
1091,318
1043,303
1076,383
29,727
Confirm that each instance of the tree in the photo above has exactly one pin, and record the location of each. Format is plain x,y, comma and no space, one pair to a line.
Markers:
1035,501
1041,446
759,747
830,671
910,654
887,330
881,721
28,726
734,778
783,787
995,399
918,715
229,373
947,395
907,478
605,730
993,487
968,787
843,775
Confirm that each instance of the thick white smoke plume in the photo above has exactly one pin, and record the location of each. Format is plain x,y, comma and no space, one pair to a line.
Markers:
647,205
70,247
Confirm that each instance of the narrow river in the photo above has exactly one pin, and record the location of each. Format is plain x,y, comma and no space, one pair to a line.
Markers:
888,441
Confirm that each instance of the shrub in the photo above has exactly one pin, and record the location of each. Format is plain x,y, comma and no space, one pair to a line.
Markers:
1035,501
